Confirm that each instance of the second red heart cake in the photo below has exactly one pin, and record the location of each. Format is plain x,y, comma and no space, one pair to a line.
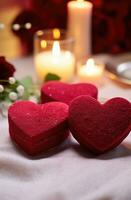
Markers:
38,128
63,92
99,127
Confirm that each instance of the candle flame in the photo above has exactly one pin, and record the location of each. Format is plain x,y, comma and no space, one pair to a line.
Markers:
56,33
39,33
80,0
43,44
56,49
90,66
90,62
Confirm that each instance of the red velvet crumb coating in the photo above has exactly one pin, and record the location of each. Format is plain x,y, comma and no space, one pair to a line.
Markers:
38,128
63,92
99,127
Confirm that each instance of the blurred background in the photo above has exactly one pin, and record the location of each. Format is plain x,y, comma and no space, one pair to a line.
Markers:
19,20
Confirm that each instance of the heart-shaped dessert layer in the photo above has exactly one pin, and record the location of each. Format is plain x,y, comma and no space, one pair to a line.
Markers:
38,128
63,92
99,127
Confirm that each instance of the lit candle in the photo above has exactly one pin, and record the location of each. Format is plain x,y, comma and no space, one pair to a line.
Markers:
90,72
79,26
56,61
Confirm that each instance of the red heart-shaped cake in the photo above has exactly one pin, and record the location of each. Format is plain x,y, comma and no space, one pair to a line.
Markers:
99,127
63,92
38,128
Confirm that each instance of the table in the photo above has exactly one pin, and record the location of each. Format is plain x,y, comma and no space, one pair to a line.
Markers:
67,173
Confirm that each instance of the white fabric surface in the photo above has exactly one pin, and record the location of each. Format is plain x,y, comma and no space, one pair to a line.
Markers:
68,173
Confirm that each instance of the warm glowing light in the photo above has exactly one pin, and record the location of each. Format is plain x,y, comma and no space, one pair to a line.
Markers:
28,25
55,61
56,49
80,0
43,44
90,71
39,33
90,66
56,33
16,27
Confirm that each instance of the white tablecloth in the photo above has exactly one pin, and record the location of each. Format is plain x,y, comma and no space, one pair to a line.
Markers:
68,173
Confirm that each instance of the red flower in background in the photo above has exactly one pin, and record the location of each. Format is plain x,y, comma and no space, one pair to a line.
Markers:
102,29
111,23
43,15
6,69
97,3
53,11
127,22
29,22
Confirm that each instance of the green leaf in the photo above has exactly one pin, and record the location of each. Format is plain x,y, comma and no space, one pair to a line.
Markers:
27,82
50,77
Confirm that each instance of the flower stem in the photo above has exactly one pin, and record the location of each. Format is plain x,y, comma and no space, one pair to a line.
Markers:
6,81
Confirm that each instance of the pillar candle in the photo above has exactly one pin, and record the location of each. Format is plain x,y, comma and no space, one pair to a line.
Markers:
57,61
79,26
90,72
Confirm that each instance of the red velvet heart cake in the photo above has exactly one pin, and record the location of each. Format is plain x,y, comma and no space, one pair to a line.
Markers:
63,92
38,128
99,127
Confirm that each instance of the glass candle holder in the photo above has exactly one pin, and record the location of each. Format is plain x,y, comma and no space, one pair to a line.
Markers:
90,71
53,53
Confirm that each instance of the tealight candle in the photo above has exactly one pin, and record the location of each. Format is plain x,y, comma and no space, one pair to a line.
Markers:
79,26
54,60
90,72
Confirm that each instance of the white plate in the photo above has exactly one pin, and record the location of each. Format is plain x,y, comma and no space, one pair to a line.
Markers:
120,72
